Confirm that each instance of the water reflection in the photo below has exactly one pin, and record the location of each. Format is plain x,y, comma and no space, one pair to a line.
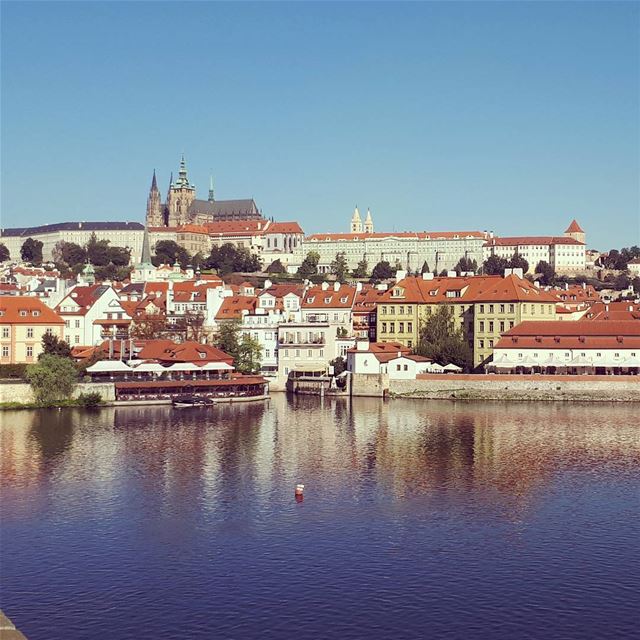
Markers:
503,452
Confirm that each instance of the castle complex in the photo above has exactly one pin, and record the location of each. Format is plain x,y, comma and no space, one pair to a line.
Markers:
182,207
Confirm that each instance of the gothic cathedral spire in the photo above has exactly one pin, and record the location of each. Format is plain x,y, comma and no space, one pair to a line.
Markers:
155,217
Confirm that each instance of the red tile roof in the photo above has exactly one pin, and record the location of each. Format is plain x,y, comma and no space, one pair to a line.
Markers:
613,311
284,227
416,235
84,296
27,310
233,306
317,298
574,227
166,351
236,227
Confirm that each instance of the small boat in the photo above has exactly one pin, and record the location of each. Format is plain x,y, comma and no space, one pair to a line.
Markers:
181,402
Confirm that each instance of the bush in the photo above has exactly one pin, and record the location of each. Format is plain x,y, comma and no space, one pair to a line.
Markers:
13,370
91,399
52,379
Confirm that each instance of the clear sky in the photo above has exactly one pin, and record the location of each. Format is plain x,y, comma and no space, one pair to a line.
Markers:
506,116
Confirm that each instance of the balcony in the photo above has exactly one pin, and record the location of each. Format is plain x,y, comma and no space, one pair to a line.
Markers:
301,341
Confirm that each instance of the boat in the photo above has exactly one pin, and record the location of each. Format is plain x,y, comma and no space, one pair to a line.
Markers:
181,402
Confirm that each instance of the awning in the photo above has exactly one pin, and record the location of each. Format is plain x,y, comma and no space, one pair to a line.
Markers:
452,367
109,366
217,366
184,366
149,367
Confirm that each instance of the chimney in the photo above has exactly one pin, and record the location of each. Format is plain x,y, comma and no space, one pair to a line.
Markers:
491,234
268,284
508,272
517,272
401,274
536,284
358,286
362,345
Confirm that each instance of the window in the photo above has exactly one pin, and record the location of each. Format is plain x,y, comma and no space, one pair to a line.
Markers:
401,327
66,324
501,308
398,367
29,352
512,308
409,309
77,324
481,325
297,353
491,344
406,367
267,353
23,312
35,313
501,327
491,326
409,343
5,352
30,332
511,324
481,308
5,332
401,312
392,327
410,327
77,339
480,344
384,328
322,353
490,308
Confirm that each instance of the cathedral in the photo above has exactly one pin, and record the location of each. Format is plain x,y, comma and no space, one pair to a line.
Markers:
182,207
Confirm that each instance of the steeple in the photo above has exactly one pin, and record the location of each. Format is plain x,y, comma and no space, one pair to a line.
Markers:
211,198
368,223
356,222
154,183
146,248
154,216
183,180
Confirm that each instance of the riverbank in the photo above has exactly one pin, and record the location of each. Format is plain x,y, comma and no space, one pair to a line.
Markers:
519,387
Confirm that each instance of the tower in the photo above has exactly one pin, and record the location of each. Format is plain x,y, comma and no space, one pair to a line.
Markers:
155,215
181,194
211,198
356,222
368,223
575,231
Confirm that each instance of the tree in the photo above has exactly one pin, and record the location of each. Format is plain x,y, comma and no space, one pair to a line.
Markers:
636,284
98,251
4,253
465,265
170,252
309,266
425,268
494,265
147,326
545,270
31,251
362,270
68,254
227,338
622,281
518,262
113,273
339,365
276,267
54,346
52,379
119,256
197,261
443,273
249,355
229,258
441,341
191,326
382,271
340,266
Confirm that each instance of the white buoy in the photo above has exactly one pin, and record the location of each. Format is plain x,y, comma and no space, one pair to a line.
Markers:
299,489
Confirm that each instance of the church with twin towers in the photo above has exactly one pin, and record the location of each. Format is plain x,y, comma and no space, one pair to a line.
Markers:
182,207
356,222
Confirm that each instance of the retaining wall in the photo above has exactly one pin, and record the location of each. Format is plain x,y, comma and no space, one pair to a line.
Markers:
519,387
21,391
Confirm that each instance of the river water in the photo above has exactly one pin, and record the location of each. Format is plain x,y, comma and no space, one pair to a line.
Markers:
420,519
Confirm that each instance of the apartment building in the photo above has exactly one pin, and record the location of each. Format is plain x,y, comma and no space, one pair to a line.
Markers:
23,323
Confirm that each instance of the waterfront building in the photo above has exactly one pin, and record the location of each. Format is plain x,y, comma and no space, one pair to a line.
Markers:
331,304
391,358
594,347
120,234
365,311
566,253
305,347
23,322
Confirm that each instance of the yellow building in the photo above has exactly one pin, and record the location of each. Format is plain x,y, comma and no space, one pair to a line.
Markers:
23,322
483,308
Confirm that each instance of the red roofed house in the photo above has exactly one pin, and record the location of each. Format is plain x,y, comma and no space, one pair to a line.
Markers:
600,347
392,358
23,322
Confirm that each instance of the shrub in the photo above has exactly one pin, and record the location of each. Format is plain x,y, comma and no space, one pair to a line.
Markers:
91,399
13,370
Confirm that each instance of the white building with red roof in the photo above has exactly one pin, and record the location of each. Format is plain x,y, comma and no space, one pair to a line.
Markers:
391,358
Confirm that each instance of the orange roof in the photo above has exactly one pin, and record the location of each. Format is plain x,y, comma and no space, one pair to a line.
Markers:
383,351
613,311
169,351
318,298
27,310
415,235
284,227
84,296
574,227
193,228
233,306
280,290
517,241
236,227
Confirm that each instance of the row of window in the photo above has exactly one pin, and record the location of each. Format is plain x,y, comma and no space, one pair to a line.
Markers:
6,332
491,325
401,310
6,351
392,327
23,313
296,353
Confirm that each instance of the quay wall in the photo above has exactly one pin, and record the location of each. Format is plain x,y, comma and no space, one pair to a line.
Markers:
519,387
21,391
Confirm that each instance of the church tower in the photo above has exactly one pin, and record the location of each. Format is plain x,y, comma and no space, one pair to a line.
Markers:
155,214
368,223
356,222
575,231
181,194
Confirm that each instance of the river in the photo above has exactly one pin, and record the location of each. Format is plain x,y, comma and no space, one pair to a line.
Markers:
420,519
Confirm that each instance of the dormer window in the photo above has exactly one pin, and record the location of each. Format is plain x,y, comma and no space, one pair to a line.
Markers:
327,300
202,355
23,312
311,299
35,313
343,300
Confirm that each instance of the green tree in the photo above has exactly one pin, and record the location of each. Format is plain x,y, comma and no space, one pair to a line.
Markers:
622,281
382,271
68,254
441,341
425,268
340,267
229,258
31,251
362,269
52,345
119,256
197,261
494,265
465,265
97,251
170,252
518,262
545,270
339,365
52,379
249,355
113,273
309,266
227,338
4,253
276,267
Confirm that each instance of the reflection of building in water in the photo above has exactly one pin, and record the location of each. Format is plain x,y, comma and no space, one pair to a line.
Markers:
342,448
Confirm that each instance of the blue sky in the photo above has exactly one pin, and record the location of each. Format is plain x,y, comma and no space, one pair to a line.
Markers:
512,117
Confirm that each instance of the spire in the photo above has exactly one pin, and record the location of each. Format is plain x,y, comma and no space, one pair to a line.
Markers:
356,215
211,198
154,183
183,179
171,181
368,223
368,215
146,248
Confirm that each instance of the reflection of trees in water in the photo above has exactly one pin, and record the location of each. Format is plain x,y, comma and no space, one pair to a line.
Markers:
52,431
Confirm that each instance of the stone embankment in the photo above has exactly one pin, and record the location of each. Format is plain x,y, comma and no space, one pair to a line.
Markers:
503,387
11,391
